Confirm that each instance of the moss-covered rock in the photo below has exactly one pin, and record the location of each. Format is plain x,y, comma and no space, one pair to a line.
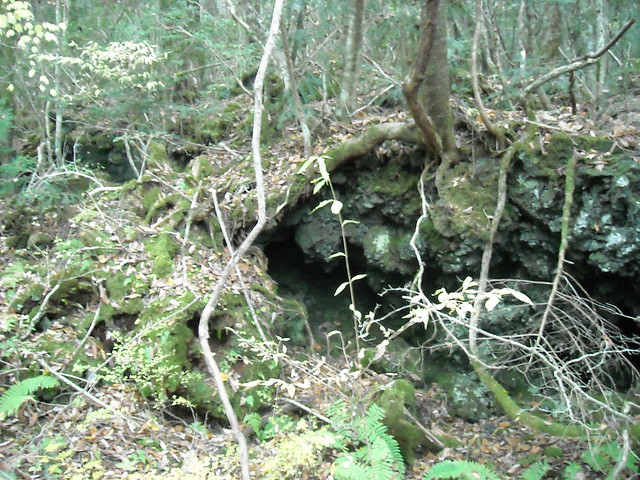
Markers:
606,206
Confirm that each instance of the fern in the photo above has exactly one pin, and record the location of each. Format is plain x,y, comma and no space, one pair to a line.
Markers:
461,469
13,398
572,471
378,454
536,471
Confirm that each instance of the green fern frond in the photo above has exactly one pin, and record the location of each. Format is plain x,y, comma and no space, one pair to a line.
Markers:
13,398
535,471
461,469
348,467
378,457
572,471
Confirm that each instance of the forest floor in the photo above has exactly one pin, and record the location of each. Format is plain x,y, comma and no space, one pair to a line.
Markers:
71,438
76,440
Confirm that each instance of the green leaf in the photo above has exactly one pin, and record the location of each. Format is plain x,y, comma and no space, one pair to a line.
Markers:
322,204
336,207
322,167
461,469
340,288
19,393
536,471
336,255
318,186
307,163
521,296
491,302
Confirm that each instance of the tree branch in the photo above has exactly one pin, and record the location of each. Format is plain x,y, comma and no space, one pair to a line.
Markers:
415,80
203,326
577,64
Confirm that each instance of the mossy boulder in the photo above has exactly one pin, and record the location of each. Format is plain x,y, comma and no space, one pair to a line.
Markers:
606,206
156,354
126,291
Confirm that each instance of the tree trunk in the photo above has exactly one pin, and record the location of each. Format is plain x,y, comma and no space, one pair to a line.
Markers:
350,77
601,34
430,107
436,96
58,147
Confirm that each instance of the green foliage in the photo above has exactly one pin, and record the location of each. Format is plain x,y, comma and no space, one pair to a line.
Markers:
461,469
604,457
12,399
376,455
297,452
6,123
572,471
535,471
15,175
41,185
275,425
601,458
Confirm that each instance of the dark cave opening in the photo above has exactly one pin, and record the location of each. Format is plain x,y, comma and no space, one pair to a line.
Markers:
314,283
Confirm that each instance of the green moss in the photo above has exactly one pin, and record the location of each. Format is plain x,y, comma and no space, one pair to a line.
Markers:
560,146
39,240
158,362
213,126
150,198
201,167
390,249
126,291
600,144
162,249
162,266
393,400
157,153
292,322
162,203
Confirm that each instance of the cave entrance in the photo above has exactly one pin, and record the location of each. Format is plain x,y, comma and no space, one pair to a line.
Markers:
314,283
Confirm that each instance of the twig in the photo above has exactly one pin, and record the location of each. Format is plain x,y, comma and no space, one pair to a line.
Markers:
491,127
75,387
310,410
132,163
394,82
427,433
96,316
41,310
187,228
564,240
227,238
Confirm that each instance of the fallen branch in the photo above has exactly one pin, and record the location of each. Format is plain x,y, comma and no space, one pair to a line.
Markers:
427,433
92,398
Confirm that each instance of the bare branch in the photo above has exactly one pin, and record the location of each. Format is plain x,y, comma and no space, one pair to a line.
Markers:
203,327
577,64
